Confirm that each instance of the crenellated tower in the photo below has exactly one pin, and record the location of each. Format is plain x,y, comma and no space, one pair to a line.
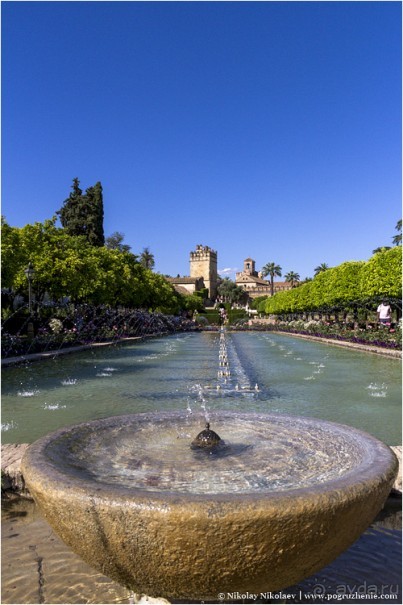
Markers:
203,263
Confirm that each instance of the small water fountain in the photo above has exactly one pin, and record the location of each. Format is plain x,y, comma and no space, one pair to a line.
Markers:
283,497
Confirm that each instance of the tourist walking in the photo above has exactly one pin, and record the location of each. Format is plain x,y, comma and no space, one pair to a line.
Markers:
384,313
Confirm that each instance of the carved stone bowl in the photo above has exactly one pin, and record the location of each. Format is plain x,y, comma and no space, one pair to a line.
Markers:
282,499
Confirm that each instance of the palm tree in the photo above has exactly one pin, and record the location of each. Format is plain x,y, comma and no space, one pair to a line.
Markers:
271,269
292,278
320,268
147,259
380,249
397,240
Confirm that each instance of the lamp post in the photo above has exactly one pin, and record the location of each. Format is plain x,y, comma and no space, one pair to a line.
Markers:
29,272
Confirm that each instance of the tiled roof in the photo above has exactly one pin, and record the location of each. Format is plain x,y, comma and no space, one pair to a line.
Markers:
183,280
244,277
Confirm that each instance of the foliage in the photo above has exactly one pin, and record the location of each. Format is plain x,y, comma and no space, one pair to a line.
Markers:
349,284
147,259
255,303
229,291
114,242
320,268
212,316
292,278
68,266
85,324
235,315
12,256
84,214
202,293
192,303
369,334
382,274
273,270
397,239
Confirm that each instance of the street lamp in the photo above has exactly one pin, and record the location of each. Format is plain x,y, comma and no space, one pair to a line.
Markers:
29,272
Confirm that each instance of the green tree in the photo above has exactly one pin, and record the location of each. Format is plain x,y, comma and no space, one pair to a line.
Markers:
349,285
380,249
147,259
292,278
161,295
12,255
84,214
382,274
192,302
397,239
115,242
95,215
230,292
320,268
273,270
68,266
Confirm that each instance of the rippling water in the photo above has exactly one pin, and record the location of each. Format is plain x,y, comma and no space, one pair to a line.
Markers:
371,566
268,372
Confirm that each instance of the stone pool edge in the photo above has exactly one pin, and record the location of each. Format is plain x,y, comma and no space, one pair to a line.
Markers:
12,480
19,359
392,353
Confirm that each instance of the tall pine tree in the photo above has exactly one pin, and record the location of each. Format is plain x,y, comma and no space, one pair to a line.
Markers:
84,214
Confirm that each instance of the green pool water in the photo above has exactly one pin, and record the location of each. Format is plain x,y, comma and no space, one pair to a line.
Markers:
268,373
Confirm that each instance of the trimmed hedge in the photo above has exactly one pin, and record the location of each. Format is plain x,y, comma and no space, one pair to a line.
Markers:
351,283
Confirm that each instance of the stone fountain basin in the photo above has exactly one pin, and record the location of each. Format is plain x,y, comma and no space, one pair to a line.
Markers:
130,497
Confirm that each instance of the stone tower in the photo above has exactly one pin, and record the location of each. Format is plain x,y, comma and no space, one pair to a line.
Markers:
203,263
249,267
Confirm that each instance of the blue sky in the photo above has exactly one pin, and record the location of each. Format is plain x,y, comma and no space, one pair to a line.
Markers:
269,130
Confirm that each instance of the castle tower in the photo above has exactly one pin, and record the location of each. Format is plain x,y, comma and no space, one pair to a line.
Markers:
203,263
249,267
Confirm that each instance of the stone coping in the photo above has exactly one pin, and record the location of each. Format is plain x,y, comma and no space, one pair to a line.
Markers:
393,353
19,359
13,480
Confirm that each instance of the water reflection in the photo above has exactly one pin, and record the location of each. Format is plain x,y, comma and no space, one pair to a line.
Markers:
372,565
293,376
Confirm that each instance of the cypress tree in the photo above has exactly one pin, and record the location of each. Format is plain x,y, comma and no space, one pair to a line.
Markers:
84,214
94,205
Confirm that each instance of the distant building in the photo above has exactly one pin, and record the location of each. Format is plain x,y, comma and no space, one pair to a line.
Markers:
203,273
187,285
251,281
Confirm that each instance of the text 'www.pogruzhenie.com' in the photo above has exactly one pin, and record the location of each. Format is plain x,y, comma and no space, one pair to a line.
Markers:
320,593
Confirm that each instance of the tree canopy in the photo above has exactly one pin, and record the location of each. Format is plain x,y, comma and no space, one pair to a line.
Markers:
69,266
147,259
84,214
353,282
115,242
273,270
229,291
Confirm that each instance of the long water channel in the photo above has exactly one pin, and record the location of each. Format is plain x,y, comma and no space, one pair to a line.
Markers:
261,372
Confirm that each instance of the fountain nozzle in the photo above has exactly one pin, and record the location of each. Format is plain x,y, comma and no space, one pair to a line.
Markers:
206,438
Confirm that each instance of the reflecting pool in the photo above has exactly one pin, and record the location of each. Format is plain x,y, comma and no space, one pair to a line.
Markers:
268,373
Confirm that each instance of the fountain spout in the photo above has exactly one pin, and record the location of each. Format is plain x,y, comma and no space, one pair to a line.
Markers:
206,438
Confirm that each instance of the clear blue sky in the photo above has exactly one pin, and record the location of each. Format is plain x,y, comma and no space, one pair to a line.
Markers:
269,130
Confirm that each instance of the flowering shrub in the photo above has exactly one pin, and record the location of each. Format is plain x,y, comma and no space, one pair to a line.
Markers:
56,325
389,337
87,324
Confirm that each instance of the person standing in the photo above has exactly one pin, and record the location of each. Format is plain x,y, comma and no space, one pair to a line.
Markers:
384,313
